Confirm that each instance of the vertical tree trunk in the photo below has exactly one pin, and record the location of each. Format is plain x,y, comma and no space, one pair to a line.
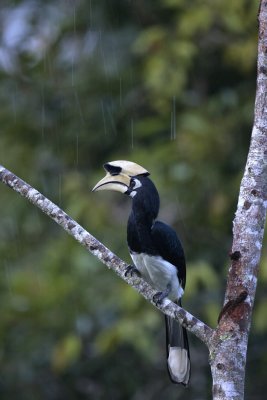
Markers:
228,346
228,359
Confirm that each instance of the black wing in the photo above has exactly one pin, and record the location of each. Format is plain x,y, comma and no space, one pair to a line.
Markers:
169,248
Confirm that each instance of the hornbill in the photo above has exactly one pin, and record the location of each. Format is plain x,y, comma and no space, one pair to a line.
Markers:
156,252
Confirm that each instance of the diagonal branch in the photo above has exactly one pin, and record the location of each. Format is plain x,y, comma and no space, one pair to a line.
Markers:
192,324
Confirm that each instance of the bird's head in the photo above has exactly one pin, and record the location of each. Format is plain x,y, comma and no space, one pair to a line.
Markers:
122,176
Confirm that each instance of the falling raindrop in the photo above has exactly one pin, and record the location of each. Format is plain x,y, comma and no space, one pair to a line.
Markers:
43,121
111,119
8,276
73,56
77,149
173,119
74,19
132,133
43,114
103,55
104,117
72,71
60,188
171,125
90,14
78,103
120,92
14,105
114,58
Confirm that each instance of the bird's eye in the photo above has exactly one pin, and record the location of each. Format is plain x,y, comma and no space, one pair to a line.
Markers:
132,183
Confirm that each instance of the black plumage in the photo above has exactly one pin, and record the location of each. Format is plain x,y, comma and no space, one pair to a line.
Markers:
146,235
156,252
169,248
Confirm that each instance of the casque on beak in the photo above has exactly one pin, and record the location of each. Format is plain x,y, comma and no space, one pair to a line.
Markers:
119,175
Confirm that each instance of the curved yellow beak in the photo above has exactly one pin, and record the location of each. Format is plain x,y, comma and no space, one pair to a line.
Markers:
119,183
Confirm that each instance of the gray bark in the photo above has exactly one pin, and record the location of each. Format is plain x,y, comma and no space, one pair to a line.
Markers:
228,347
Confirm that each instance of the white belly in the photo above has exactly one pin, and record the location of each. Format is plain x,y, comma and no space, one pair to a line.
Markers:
159,273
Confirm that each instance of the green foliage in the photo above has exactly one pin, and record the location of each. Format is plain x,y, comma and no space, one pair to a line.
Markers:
169,84
66,353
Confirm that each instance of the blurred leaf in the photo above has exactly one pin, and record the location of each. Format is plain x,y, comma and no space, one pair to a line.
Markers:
66,353
200,275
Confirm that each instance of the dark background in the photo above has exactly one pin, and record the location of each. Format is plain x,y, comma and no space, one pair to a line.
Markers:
169,84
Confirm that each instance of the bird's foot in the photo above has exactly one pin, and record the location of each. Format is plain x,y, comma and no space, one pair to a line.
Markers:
132,270
160,296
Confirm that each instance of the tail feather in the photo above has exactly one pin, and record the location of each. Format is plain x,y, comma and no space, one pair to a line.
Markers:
178,356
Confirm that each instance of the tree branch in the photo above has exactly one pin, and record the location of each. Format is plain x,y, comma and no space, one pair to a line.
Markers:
248,226
192,324
228,347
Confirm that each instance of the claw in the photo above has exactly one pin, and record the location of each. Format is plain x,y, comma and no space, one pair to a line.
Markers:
132,270
160,296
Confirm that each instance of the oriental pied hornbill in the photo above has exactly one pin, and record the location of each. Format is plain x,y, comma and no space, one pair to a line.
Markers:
156,252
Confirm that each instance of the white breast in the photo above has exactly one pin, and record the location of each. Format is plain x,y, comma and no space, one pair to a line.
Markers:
159,273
